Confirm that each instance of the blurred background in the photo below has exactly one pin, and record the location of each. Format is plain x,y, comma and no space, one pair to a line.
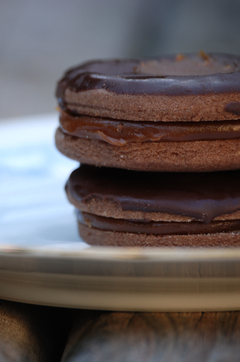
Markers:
39,39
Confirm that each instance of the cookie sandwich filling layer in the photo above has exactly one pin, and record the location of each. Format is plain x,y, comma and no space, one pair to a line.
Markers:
120,133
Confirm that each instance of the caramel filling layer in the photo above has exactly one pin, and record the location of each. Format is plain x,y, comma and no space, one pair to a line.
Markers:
156,228
119,133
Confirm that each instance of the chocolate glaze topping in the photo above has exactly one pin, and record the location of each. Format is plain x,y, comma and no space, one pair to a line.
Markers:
119,133
203,196
192,74
156,228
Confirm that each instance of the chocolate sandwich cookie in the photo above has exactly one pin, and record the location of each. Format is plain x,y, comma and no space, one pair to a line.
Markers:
178,113
127,208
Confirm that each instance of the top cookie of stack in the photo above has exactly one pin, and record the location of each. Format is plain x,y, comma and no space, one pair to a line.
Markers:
179,113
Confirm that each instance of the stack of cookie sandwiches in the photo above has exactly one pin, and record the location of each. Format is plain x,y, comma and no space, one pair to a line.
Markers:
159,146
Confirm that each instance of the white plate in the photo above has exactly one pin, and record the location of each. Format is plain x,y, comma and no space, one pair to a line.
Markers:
43,261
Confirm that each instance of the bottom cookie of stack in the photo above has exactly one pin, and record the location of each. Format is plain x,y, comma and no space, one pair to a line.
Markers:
128,208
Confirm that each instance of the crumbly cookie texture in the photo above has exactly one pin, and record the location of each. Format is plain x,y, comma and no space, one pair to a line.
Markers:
109,238
155,108
195,156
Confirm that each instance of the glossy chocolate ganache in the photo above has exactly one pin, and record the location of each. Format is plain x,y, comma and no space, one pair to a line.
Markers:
201,196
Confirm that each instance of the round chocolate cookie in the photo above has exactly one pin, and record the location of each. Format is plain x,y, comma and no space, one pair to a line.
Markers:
168,89
128,208
173,114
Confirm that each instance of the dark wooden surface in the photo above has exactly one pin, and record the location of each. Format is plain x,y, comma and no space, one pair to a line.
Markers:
170,337
31,333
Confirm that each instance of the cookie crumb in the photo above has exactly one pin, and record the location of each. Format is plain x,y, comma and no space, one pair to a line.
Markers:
180,57
203,55
119,128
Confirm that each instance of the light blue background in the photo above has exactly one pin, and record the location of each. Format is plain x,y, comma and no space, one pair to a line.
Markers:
33,206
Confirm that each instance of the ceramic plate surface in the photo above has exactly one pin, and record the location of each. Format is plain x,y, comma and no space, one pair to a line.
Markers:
43,260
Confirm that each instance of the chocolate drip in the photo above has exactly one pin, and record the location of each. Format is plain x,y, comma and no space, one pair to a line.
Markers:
203,196
156,228
119,133
163,76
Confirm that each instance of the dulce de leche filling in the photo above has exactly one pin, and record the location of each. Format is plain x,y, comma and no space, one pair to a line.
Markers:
119,133
156,228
